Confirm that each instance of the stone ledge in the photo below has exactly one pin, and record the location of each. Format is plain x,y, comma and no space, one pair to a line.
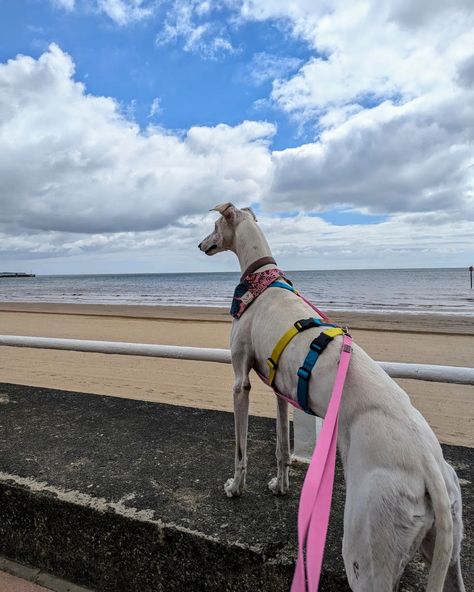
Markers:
123,495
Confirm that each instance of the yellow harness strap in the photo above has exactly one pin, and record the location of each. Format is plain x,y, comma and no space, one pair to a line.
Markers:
284,340
334,332
278,350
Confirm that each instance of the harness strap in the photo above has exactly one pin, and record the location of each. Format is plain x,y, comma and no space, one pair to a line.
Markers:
285,339
278,284
316,347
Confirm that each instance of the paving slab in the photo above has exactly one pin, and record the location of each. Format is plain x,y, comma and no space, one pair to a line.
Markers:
124,495
9,583
17,577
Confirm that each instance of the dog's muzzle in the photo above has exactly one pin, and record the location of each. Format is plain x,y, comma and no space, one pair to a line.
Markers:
209,250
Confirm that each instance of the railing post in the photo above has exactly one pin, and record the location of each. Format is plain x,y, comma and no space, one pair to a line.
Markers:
306,429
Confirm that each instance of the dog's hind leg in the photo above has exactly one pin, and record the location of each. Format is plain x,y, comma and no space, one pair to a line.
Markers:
235,486
280,484
454,580
384,524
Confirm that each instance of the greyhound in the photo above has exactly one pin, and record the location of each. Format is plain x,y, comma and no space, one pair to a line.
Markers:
401,495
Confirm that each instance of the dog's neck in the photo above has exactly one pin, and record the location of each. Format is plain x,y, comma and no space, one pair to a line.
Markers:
250,244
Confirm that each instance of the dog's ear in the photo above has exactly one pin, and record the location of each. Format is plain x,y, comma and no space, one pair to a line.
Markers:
228,210
252,212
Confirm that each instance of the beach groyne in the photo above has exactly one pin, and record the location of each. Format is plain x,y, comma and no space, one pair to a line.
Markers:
118,494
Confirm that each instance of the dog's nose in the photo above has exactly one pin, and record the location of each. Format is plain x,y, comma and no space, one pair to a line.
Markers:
199,245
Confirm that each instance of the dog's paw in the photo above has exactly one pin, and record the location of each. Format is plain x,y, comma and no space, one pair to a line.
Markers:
277,487
232,488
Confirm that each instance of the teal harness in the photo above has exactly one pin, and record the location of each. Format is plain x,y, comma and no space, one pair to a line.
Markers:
316,347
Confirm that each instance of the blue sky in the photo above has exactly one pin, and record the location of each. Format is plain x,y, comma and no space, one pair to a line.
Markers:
127,63
348,126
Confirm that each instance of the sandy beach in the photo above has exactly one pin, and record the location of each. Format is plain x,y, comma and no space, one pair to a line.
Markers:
415,338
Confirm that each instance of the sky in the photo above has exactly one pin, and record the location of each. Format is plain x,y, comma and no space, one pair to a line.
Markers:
347,126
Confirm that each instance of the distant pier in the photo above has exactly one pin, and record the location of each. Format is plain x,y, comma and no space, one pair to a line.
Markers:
15,274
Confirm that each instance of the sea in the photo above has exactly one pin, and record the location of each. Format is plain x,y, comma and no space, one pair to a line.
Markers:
404,291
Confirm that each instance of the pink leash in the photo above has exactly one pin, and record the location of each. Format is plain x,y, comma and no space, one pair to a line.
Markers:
320,312
316,494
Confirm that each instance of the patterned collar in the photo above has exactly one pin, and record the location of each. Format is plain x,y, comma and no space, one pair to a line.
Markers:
250,288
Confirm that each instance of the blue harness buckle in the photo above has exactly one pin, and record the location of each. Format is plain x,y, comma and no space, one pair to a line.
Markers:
303,373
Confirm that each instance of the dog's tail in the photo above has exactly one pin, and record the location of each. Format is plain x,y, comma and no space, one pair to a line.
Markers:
443,547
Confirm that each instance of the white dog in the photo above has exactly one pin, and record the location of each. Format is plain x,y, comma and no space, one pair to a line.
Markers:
401,494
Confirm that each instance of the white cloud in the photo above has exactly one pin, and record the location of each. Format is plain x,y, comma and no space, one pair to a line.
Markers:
402,241
265,66
71,162
190,22
465,72
65,4
124,12
369,49
416,157
302,241
155,107
389,94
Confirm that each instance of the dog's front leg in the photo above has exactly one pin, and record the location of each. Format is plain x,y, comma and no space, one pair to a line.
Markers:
280,484
235,487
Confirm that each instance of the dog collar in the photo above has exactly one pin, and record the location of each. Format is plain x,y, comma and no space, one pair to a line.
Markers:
256,265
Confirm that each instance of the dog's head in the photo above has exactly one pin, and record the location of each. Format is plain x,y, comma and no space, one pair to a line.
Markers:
222,238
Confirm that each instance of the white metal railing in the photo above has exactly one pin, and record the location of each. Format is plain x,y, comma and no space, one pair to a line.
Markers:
201,354
429,372
306,427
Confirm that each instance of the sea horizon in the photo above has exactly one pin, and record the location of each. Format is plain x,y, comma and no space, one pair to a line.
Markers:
332,269
438,290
